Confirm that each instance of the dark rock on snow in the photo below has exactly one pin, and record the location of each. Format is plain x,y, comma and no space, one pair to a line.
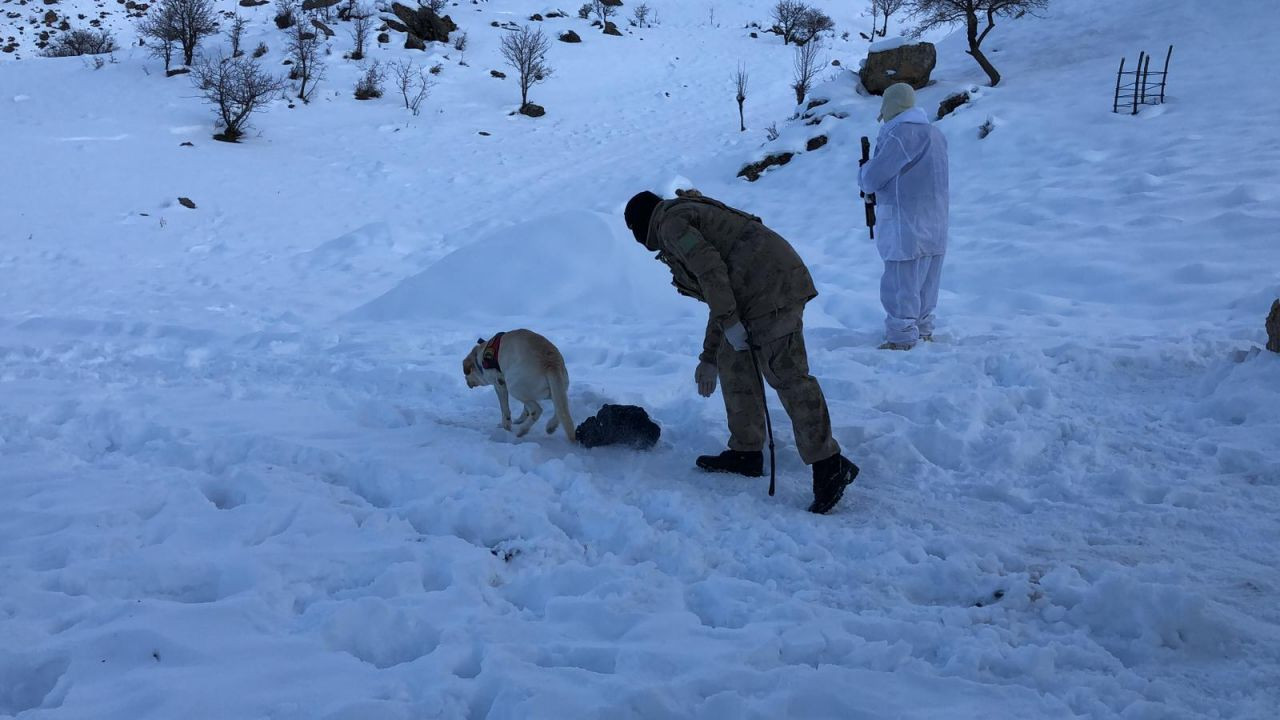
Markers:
626,425
907,63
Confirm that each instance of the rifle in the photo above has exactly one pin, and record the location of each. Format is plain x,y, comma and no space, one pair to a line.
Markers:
870,202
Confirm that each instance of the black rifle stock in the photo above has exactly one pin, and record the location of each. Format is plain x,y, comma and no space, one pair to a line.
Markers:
870,202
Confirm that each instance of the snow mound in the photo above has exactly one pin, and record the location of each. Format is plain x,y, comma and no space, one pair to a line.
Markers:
587,266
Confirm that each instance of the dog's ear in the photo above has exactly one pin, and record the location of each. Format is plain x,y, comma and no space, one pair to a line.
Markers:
480,341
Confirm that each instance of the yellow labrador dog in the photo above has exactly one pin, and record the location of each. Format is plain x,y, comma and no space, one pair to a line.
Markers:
527,366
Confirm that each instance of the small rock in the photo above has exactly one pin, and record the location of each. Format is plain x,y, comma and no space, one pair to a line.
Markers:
755,35
177,71
753,171
950,103
482,132
570,36
321,27
835,63
413,42
186,203
384,38
535,17
611,29
187,144
815,143
533,110
309,5
497,74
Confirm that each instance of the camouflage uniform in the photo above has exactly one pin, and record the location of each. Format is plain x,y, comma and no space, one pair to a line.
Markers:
746,272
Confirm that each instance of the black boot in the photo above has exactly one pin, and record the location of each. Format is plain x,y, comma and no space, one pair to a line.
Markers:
830,478
750,464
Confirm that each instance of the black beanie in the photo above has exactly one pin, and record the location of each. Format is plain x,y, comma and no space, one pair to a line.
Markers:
639,209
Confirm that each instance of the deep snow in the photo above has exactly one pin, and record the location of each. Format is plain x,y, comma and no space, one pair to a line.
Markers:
241,475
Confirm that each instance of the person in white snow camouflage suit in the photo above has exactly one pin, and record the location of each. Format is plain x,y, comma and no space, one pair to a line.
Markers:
908,174
756,287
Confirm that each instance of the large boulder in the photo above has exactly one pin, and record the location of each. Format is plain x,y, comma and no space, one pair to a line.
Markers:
309,5
895,62
1273,328
422,24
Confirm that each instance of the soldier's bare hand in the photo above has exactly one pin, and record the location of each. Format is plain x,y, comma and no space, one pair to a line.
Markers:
705,377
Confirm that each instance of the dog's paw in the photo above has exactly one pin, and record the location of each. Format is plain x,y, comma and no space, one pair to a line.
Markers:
506,424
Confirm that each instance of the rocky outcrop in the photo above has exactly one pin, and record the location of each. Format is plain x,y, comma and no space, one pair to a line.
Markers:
910,64
753,171
421,25
1273,328
949,105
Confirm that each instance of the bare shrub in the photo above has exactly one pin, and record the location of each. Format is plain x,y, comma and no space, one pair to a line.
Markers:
413,82
526,51
460,42
435,6
603,11
260,50
640,16
286,14
585,11
807,65
740,85
787,16
81,42
184,22
361,26
236,87
369,85
812,22
308,60
235,33
771,132
880,12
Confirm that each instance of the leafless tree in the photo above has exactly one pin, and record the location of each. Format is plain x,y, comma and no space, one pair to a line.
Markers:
81,42
308,59
235,33
526,51
787,16
812,22
361,26
807,65
160,33
236,87
880,12
979,18
740,83
603,11
186,22
413,82
641,15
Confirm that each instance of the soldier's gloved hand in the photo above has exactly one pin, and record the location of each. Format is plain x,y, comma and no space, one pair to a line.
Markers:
736,335
705,376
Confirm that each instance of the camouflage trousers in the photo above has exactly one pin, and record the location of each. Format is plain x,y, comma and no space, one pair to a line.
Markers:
785,365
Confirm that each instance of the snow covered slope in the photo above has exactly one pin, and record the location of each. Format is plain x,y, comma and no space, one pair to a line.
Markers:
241,476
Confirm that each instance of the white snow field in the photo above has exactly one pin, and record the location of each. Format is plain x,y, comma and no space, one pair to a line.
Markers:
241,475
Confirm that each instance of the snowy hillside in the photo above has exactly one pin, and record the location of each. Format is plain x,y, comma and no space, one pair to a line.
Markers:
241,475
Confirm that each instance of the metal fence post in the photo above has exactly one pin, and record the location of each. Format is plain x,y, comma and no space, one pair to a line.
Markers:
1115,103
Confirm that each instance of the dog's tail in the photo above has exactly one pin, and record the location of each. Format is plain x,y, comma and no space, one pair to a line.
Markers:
558,379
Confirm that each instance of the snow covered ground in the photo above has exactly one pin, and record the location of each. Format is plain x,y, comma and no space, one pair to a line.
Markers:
241,475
